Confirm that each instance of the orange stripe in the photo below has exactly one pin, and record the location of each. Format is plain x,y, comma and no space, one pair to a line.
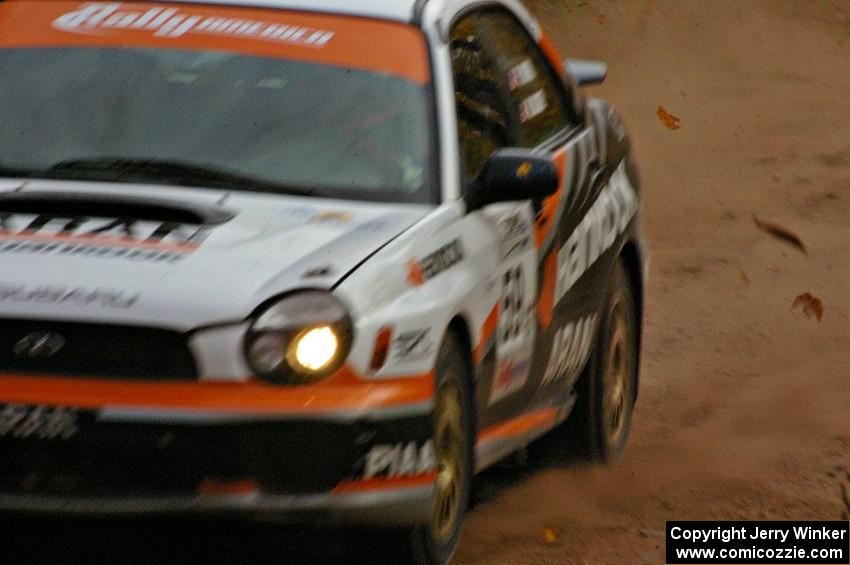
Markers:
99,240
342,391
546,303
552,54
362,43
490,325
519,426
215,487
546,219
366,485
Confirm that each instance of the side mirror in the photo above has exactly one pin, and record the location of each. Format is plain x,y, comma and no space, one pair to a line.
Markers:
511,175
586,73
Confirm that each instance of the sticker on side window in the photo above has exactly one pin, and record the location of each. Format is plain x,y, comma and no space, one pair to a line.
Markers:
521,75
533,106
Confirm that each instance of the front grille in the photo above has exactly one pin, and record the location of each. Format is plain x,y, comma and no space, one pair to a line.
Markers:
94,350
149,460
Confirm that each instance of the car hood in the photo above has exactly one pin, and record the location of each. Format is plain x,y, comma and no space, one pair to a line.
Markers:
176,275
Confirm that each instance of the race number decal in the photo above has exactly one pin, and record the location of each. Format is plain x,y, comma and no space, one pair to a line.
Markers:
38,422
513,303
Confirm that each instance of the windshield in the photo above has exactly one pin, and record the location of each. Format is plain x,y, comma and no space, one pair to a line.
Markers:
285,102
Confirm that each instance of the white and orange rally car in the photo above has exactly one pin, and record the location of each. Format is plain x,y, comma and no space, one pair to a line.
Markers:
304,259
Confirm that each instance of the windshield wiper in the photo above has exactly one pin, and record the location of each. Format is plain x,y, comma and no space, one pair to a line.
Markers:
118,169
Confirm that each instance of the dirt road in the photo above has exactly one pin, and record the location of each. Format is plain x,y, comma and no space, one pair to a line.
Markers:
745,404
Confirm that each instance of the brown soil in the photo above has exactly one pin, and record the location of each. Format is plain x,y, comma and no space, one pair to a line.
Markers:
744,410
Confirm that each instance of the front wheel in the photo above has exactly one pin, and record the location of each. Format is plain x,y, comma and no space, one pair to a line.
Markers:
453,425
606,392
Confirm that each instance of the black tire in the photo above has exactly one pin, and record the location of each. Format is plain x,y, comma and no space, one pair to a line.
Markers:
598,428
436,542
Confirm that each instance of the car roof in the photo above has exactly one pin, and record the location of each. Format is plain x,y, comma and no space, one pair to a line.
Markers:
399,10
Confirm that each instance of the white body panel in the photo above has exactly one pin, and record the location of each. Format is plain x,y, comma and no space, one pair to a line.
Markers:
273,244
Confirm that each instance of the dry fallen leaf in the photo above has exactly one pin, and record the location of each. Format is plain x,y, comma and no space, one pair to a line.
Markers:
744,278
601,19
780,233
667,118
812,306
550,536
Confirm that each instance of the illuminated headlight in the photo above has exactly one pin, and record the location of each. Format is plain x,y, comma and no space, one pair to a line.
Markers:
303,338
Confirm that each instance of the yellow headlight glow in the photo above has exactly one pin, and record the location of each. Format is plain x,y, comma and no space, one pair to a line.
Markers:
314,349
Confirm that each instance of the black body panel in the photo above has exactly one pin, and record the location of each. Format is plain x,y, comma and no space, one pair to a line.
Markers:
98,350
145,459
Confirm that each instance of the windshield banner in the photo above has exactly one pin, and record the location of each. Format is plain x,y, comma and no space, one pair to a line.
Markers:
373,45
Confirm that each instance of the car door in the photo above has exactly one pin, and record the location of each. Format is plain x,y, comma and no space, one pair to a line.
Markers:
509,95
485,124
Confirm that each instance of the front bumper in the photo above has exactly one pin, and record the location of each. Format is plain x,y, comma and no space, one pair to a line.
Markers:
392,506
354,470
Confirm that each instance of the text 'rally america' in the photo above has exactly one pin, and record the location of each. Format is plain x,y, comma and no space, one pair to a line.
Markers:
100,17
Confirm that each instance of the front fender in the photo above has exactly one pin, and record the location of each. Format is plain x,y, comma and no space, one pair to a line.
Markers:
441,268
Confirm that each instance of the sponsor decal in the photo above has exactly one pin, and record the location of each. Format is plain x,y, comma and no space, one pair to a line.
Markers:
515,232
312,215
90,251
606,219
511,248
39,345
78,296
299,212
533,106
570,348
97,18
509,378
107,238
414,274
89,229
435,263
39,422
513,226
413,345
399,460
334,216
521,74
513,316
351,43
316,272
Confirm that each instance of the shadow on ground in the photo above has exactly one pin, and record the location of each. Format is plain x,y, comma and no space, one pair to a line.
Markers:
552,451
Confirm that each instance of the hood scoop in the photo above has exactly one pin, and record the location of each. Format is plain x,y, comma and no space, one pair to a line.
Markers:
98,205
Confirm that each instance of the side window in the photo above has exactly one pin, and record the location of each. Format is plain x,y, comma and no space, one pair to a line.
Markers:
483,119
536,97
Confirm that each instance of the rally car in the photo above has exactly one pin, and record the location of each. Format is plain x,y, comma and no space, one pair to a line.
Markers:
304,260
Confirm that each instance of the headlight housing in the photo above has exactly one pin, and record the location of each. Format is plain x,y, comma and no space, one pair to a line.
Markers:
301,339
